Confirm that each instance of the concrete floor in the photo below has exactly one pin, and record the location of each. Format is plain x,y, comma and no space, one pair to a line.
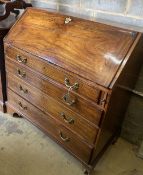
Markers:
25,150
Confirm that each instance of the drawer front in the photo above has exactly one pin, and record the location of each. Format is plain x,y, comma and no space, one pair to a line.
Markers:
89,110
67,79
51,126
67,117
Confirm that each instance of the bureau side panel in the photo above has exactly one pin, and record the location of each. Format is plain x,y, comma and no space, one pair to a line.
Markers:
119,99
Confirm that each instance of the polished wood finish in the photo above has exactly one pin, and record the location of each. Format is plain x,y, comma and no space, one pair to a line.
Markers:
51,126
81,106
54,108
119,99
86,88
73,46
90,63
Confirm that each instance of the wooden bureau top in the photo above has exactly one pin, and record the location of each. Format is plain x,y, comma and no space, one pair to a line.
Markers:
89,49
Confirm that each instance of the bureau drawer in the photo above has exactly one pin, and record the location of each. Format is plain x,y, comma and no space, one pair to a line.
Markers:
70,119
51,126
79,85
89,110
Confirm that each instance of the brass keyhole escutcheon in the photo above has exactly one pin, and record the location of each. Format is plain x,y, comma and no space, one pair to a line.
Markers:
68,99
68,20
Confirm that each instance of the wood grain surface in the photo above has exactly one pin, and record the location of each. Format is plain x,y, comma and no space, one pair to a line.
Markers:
73,46
49,55
51,126
86,89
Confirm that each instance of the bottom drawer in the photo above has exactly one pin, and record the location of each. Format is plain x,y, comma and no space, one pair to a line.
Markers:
52,127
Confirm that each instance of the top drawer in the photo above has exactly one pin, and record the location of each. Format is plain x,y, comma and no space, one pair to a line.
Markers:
77,85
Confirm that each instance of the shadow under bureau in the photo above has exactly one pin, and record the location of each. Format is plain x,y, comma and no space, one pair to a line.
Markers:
70,77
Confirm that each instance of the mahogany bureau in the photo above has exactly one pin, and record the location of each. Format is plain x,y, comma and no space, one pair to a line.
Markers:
70,77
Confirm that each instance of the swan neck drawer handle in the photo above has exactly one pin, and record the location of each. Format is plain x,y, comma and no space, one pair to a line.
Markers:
25,91
64,138
69,121
75,86
21,73
21,60
22,107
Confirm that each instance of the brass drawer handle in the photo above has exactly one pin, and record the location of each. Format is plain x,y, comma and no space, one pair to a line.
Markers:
64,138
21,60
68,85
21,106
68,101
68,20
25,91
21,73
69,121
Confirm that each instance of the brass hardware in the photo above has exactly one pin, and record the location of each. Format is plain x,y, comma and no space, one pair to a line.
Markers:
21,60
68,85
68,20
22,107
69,121
67,99
21,73
64,138
25,91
